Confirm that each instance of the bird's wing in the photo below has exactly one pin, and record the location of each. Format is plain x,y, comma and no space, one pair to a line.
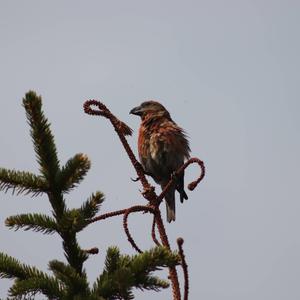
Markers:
169,145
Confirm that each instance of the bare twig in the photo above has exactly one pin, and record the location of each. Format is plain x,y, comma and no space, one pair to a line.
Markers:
92,251
192,185
153,233
122,129
172,270
125,223
109,215
180,242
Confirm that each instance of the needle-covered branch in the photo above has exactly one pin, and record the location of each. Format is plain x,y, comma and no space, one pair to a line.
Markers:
76,219
90,208
123,272
22,182
73,172
42,137
73,252
35,222
12,268
74,283
29,280
45,285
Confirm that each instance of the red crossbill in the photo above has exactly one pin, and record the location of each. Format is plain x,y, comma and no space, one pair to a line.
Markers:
162,148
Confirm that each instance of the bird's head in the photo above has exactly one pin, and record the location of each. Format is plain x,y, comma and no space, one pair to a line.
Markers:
150,108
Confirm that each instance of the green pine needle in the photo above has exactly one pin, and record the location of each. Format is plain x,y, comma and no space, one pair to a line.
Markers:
35,222
45,285
75,220
73,253
90,208
73,172
154,258
123,272
74,283
22,182
12,268
42,137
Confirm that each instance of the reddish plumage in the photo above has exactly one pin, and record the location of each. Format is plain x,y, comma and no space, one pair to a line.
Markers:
162,147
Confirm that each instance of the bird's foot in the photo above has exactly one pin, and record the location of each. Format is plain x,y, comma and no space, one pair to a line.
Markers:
149,193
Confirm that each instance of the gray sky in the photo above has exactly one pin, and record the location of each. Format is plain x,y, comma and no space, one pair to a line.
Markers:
228,71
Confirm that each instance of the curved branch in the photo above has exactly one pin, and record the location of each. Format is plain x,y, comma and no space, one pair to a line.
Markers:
105,112
164,239
193,160
125,222
155,240
108,215
191,186
180,242
122,129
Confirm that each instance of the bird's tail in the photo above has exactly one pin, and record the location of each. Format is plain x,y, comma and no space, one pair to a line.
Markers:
170,204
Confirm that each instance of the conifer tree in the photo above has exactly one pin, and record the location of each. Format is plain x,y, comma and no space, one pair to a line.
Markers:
68,280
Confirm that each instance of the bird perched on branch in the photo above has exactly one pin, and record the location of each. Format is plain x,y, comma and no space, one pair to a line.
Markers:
162,147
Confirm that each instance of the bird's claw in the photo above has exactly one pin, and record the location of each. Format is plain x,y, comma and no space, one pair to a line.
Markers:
148,193
135,179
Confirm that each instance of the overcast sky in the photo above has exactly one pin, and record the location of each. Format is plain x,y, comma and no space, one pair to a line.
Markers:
228,72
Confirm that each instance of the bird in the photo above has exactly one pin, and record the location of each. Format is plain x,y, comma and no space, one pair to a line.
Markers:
162,147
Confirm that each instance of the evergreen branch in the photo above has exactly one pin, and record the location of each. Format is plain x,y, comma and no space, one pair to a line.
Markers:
22,182
153,259
28,279
58,204
90,208
116,281
73,253
92,297
73,172
75,220
123,272
75,284
36,222
112,260
44,284
42,137
70,223
11,268
45,149
153,283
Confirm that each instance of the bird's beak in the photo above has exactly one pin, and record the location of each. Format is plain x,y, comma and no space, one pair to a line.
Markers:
136,111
